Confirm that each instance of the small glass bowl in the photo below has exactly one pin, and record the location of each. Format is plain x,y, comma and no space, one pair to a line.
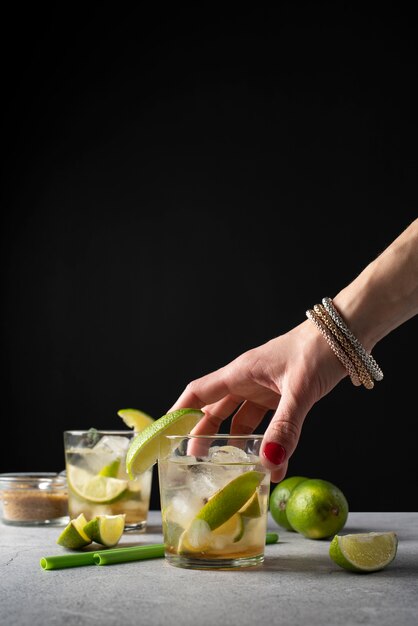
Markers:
33,499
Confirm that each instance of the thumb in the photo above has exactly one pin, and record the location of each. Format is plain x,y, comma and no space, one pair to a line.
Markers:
282,436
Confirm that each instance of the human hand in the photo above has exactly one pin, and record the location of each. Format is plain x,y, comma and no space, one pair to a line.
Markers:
287,374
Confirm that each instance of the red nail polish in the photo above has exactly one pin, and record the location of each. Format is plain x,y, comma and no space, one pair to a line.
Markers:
274,452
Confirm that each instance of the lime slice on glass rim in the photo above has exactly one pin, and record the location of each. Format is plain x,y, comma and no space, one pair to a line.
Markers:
364,552
220,508
98,489
136,419
145,447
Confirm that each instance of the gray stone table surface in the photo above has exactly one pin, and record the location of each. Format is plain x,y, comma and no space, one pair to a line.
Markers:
297,584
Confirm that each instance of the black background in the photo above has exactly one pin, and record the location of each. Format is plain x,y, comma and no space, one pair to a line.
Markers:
179,186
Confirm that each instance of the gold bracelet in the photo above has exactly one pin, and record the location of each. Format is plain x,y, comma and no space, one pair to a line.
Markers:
335,347
362,372
368,361
359,364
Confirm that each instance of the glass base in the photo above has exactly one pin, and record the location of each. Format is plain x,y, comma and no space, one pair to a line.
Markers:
57,521
201,563
136,527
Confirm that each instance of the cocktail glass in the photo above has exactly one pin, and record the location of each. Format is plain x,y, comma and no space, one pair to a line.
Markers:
214,501
97,480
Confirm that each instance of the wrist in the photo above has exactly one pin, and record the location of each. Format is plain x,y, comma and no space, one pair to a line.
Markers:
361,315
385,294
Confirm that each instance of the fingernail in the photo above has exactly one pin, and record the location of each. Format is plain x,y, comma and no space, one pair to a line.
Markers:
274,452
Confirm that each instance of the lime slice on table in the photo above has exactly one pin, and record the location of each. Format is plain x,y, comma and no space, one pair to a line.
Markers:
98,489
136,419
145,447
73,536
219,509
364,552
106,529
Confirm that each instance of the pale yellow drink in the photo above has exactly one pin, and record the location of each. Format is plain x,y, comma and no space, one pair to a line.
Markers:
97,480
214,502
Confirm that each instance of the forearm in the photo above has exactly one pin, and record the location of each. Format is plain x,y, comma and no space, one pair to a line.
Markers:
385,293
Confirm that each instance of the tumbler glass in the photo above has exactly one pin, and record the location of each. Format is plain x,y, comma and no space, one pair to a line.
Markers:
97,480
214,501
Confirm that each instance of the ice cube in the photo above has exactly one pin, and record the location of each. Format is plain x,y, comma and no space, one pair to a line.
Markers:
105,452
182,508
206,479
228,454
183,460
175,471
109,444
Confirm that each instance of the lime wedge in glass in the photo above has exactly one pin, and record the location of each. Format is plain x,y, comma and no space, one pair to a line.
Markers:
111,470
251,508
232,530
219,509
98,489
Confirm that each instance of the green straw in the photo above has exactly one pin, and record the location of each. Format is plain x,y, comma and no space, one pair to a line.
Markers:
115,555
67,560
137,553
103,557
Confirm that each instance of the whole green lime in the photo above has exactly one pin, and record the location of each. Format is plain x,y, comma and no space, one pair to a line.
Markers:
279,497
317,508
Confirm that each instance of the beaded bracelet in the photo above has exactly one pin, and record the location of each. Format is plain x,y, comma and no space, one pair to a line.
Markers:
359,364
335,347
369,362
362,372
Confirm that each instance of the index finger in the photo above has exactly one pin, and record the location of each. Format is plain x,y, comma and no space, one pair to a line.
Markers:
202,391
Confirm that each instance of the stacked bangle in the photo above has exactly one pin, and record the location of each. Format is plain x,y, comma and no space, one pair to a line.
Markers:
360,365
371,365
335,347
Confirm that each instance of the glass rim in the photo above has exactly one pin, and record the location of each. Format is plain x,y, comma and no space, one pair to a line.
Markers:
30,477
100,432
221,436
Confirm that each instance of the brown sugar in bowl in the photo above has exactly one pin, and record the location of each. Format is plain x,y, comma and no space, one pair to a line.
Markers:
33,498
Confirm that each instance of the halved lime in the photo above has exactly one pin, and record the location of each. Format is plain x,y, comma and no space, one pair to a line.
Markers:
136,419
145,447
364,552
98,489
73,536
106,529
